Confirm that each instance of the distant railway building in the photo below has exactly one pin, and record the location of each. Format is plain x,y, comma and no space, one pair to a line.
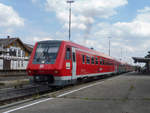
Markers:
14,54
145,60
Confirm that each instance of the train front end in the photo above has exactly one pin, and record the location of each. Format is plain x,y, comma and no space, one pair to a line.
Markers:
45,62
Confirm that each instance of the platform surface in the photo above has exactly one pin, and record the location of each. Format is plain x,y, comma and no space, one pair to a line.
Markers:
127,93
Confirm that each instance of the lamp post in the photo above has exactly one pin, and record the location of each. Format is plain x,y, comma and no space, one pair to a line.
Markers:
70,2
109,46
121,54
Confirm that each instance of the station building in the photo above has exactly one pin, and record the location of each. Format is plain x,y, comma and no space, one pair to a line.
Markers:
145,60
14,54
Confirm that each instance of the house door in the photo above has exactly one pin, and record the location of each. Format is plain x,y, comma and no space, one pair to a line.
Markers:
6,64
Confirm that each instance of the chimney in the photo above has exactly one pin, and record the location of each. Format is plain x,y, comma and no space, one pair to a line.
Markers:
92,48
8,37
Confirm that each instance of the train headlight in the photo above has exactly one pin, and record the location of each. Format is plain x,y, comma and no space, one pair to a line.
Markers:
56,71
29,71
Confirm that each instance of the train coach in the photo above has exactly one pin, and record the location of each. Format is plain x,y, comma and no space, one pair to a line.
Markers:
61,63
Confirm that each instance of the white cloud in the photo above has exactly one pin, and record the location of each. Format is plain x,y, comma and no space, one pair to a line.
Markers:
36,39
145,10
133,36
34,1
33,39
139,26
84,12
9,17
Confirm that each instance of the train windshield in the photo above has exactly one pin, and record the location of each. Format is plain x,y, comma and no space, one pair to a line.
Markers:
46,53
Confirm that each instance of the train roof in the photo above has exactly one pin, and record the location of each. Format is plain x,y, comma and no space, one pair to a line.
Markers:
50,41
77,46
80,47
87,49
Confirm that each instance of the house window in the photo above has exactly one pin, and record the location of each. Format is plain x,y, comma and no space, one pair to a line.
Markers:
18,63
12,52
19,53
15,44
22,63
23,54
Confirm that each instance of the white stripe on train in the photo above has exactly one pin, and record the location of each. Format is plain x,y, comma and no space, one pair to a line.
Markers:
81,76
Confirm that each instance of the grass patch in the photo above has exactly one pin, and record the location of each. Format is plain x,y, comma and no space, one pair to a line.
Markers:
131,87
147,98
53,95
2,84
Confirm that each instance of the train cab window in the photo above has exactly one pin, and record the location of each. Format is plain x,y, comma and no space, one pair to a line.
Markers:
83,59
96,60
88,59
92,60
68,51
46,52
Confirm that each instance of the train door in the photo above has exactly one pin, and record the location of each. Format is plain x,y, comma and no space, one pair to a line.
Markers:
73,63
116,68
68,59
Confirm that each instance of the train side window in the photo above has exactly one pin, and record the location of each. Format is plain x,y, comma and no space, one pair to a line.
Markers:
83,59
68,53
101,61
104,62
74,57
96,60
88,59
92,60
110,63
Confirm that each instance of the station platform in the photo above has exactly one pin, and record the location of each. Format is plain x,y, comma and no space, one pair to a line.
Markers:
126,93
12,81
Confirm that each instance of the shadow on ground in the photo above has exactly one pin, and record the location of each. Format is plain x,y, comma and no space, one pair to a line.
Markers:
138,74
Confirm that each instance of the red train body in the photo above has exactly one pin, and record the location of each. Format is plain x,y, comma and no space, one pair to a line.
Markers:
61,62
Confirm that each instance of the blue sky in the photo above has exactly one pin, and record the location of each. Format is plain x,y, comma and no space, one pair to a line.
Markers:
127,22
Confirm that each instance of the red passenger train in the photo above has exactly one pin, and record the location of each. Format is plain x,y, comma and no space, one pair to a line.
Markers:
62,62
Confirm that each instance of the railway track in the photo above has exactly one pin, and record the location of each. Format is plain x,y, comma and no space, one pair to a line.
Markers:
12,73
12,94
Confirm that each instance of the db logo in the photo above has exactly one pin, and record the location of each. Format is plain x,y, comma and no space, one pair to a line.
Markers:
41,66
100,69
